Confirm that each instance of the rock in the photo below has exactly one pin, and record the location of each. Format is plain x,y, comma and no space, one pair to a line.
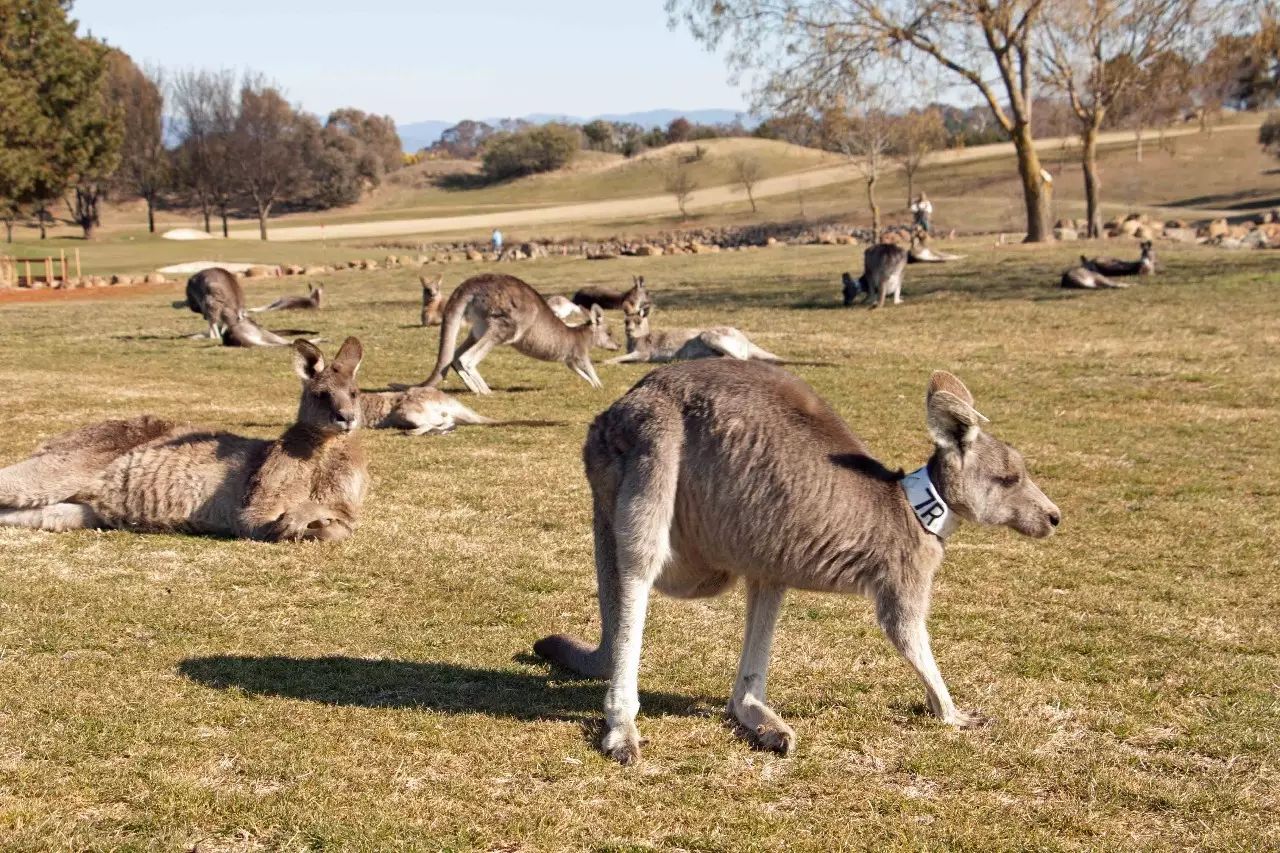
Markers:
155,278
474,255
1064,233
647,250
353,265
294,269
391,261
1181,235
121,279
260,271
1147,232
406,261
771,241
1175,223
1255,239
1271,230
1130,227
1217,228
314,270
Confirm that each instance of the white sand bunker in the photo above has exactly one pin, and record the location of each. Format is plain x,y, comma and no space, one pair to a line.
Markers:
198,266
186,234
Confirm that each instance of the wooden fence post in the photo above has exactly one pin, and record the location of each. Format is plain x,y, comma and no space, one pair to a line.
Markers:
28,263
48,270
78,263
63,254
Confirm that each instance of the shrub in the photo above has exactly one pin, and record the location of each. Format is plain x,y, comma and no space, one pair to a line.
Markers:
529,151
1269,134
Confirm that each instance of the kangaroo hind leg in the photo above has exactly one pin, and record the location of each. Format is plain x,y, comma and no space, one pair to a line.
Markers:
41,480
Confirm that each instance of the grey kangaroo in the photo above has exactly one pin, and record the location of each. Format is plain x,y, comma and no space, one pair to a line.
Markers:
148,474
502,309
216,295
1144,265
714,470
311,302
883,265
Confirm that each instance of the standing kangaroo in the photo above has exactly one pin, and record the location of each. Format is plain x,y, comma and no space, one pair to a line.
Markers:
216,295
883,265
421,411
310,302
1144,265
432,301
502,309
152,475
644,345
714,470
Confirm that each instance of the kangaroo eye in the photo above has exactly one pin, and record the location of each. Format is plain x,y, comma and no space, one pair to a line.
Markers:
1009,480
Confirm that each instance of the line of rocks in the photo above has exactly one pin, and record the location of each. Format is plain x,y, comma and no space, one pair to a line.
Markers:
1261,232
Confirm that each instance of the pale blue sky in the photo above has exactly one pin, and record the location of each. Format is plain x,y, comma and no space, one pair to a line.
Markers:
429,59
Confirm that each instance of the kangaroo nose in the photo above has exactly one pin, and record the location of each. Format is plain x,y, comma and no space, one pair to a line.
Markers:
1055,518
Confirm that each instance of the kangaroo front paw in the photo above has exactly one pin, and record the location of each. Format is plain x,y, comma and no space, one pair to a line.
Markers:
774,737
966,719
622,744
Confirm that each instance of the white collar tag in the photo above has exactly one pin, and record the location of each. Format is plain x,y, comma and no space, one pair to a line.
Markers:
927,504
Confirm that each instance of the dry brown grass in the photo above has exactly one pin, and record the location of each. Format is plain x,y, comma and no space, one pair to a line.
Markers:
162,692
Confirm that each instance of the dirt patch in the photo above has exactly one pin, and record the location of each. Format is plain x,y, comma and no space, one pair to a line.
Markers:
81,294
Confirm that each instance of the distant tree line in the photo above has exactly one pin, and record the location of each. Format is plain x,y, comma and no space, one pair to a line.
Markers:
81,122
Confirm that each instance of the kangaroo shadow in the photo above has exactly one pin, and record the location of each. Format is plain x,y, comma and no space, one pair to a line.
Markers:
447,688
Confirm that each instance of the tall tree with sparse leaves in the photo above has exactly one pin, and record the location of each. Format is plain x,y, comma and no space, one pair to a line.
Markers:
806,50
145,165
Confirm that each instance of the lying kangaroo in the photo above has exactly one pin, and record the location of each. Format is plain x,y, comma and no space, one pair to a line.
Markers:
1144,265
432,301
310,302
148,474
421,411
1083,278
502,309
714,470
883,266
216,295
609,300
644,345
246,333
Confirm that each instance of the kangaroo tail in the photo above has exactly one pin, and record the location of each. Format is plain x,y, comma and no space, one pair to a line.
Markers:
759,354
464,415
453,313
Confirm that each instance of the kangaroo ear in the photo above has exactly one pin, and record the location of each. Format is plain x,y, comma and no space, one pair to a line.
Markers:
308,361
949,412
349,357
597,314
644,310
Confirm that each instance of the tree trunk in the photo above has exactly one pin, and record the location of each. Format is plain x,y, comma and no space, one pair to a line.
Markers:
40,215
264,210
751,198
875,209
1036,191
1137,136
1092,182
222,211
204,208
151,214
910,185
8,230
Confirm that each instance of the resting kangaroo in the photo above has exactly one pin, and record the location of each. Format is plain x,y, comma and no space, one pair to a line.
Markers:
421,411
883,266
502,309
216,295
644,345
152,475
609,300
246,333
310,302
1144,265
1083,278
714,470
432,301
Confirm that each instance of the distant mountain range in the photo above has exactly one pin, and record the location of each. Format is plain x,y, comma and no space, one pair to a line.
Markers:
421,134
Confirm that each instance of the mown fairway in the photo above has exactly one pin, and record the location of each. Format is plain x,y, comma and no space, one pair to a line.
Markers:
171,692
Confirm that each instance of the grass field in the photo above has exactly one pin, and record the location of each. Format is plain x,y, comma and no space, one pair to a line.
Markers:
172,692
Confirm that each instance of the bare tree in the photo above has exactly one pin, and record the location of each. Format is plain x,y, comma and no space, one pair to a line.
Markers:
814,47
1094,51
680,183
271,142
916,135
748,171
206,104
865,136
144,165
